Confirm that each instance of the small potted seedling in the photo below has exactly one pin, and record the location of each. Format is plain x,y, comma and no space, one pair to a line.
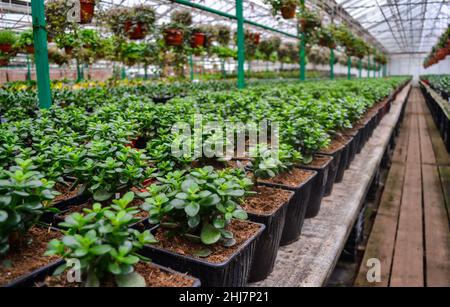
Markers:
7,40
276,168
202,227
24,196
107,249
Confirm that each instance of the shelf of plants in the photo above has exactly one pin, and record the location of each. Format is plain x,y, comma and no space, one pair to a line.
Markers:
436,89
98,168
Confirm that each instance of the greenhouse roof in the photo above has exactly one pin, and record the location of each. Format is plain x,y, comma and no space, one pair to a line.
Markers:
395,26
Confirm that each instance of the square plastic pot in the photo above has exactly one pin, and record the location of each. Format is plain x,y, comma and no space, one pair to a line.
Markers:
334,167
232,273
319,186
267,245
297,207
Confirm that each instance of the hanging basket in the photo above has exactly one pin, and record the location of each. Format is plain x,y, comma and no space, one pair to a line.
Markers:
135,31
288,11
5,48
173,37
87,9
29,49
198,40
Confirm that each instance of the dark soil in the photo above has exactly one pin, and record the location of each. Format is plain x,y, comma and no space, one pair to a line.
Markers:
320,161
294,178
65,192
242,231
267,201
29,256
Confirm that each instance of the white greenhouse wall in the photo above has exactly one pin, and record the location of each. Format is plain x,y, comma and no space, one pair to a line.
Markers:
412,64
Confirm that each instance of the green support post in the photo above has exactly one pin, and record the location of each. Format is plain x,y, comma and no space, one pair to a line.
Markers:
145,72
222,64
331,64
123,74
302,48
191,67
41,54
240,44
360,68
28,69
374,69
349,68
368,67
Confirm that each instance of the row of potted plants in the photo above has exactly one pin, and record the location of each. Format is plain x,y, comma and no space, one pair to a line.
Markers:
198,205
440,51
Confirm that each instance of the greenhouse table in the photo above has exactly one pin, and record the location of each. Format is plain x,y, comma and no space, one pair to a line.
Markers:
310,261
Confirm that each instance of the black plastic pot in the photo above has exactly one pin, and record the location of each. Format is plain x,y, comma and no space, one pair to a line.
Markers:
343,163
334,166
162,99
356,144
297,207
232,273
318,188
267,245
64,205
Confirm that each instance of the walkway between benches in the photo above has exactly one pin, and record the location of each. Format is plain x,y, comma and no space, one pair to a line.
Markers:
411,234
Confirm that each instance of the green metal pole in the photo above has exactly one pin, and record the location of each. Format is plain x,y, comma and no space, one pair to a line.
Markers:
360,68
28,69
41,54
302,48
368,67
240,44
332,64
145,72
374,69
222,64
191,67
124,73
349,68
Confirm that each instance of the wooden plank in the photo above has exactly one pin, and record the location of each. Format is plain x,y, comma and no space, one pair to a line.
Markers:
401,149
437,238
407,268
311,260
382,238
444,173
426,146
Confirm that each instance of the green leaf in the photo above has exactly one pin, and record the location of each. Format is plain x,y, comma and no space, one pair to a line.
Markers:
240,214
100,249
194,221
102,195
192,209
128,197
202,253
132,280
3,216
209,234
5,200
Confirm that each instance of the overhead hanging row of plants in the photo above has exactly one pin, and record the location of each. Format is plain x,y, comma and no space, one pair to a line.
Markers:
439,51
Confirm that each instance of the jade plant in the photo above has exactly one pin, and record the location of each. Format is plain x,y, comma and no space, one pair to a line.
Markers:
104,243
199,205
24,196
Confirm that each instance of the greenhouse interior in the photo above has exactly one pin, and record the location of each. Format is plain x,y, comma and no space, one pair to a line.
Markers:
202,144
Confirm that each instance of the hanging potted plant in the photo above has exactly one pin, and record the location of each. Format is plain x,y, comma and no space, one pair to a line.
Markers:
198,37
56,56
269,46
176,31
286,7
135,22
26,42
87,9
68,42
223,35
324,37
308,19
56,12
7,40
